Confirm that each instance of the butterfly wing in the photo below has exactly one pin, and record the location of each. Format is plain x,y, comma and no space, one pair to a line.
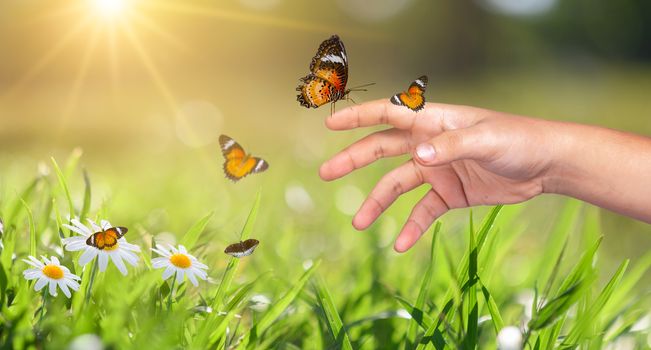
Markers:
107,238
328,75
237,163
414,98
243,248
315,92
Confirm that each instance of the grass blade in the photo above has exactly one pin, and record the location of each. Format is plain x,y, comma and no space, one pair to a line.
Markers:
498,323
423,291
85,208
229,273
32,229
335,324
64,185
191,237
422,319
278,308
589,318
472,331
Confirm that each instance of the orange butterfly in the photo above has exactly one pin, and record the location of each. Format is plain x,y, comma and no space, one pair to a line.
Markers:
238,164
413,98
107,238
328,75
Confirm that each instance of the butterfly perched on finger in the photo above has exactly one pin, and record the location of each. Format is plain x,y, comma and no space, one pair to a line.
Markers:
328,76
237,163
413,98
242,248
106,239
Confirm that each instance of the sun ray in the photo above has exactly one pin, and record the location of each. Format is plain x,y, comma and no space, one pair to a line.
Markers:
187,8
165,91
73,97
149,65
45,60
147,23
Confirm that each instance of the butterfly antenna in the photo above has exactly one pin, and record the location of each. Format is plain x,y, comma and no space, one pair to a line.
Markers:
359,87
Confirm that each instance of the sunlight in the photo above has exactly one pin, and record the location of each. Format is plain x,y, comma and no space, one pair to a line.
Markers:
109,8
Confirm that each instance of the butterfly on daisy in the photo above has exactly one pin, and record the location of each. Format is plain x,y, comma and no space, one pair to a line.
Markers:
413,98
106,239
237,163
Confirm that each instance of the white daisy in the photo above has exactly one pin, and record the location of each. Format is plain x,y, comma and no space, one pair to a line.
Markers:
180,262
53,273
122,251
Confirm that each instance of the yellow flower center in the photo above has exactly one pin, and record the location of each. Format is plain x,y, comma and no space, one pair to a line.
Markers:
107,248
180,260
53,271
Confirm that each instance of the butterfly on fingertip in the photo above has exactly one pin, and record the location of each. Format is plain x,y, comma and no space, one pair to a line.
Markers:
106,239
328,76
237,163
413,98
242,248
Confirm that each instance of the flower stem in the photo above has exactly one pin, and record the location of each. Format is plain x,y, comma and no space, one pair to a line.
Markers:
169,299
40,318
93,273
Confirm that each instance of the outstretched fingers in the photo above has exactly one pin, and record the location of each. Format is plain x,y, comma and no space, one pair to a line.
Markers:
428,209
386,143
372,113
398,181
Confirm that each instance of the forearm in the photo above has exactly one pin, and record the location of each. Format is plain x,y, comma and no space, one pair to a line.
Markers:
605,167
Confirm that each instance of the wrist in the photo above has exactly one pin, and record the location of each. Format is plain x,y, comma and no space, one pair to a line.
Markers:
566,145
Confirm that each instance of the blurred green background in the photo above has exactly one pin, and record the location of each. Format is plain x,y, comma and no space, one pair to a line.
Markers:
146,89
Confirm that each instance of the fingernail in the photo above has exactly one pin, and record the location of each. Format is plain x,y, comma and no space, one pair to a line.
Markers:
426,152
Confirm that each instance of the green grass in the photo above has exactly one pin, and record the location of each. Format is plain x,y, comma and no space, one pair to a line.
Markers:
329,287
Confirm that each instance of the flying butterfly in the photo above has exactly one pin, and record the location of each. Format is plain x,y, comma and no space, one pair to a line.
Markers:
242,248
238,163
413,98
107,238
328,76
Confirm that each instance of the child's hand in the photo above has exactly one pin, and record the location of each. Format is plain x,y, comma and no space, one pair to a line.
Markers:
469,156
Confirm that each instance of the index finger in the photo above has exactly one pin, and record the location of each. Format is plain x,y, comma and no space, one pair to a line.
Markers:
372,113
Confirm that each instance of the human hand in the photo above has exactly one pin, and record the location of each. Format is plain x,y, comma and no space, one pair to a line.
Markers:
469,156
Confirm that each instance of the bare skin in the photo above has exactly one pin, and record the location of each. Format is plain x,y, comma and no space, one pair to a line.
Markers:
471,156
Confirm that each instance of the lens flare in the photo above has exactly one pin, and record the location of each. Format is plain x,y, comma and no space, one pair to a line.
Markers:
109,8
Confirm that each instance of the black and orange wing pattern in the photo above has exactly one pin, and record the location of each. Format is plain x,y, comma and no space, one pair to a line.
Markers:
238,164
242,248
328,75
413,98
107,238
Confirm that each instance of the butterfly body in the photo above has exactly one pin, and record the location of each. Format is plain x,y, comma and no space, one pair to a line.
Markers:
328,75
238,163
413,98
106,239
242,248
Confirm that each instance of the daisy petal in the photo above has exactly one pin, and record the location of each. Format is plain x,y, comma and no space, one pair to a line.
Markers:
103,261
117,260
55,260
53,288
87,256
158,263
131,258
169,271
64,288
179,276
192,278
182,249
82,227
40,283
76,230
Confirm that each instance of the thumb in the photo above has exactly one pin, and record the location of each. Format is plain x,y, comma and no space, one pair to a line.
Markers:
453,145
